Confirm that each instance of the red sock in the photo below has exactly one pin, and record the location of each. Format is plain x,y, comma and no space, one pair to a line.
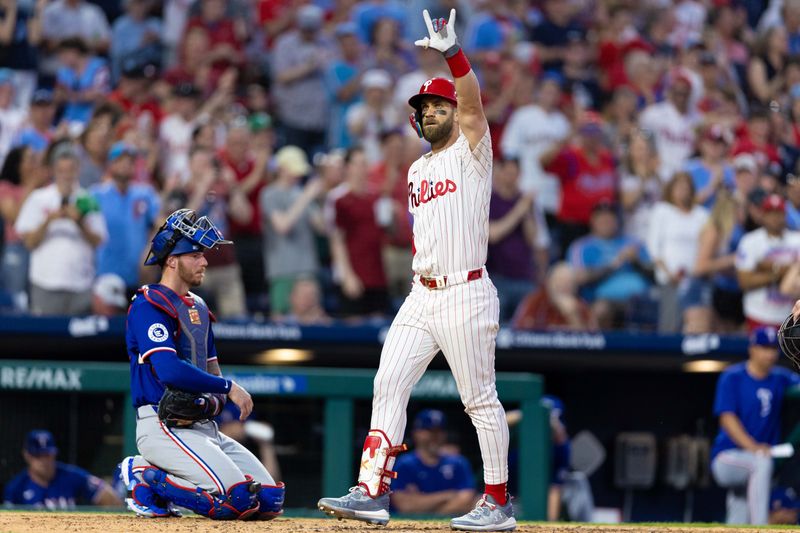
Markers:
497,492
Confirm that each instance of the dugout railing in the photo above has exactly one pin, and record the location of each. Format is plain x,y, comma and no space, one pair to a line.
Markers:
338,389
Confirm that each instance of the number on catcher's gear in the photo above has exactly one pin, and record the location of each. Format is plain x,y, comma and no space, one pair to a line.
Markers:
179,407
789,339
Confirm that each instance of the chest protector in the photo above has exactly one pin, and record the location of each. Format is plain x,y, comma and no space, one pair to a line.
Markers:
194,322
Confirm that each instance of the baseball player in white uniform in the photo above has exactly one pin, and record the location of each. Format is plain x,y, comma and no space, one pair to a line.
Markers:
453,306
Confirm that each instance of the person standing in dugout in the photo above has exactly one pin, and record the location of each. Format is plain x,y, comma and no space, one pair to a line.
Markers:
453,305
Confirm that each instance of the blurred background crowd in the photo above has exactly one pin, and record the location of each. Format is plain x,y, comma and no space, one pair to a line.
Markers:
645,171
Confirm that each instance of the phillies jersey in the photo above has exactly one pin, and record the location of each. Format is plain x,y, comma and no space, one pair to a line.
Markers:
70,485
448,195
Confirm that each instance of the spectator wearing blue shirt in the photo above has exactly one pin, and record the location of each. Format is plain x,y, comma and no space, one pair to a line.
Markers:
135,34
131,211
39,131
709,172
554,33
793,202
343,83
748,404
367,14
429,480
493,29
53,485
82,81
606,265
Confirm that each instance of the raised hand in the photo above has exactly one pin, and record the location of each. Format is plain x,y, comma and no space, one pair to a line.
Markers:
441,32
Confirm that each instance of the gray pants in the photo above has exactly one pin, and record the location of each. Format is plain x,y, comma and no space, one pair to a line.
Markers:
747,476
198,456
576,495
48,302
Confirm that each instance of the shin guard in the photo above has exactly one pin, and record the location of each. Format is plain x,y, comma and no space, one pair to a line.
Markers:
377,460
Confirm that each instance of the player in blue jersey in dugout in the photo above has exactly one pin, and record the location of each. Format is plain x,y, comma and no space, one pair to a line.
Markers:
52,484
748,403
170,342
430,480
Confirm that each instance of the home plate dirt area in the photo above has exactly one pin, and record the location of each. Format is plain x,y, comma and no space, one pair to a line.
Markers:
27,522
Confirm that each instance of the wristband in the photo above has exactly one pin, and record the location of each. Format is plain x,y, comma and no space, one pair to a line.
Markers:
457,61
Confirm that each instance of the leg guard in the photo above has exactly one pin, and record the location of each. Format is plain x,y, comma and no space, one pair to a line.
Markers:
139,497
270,501
377,460
240,501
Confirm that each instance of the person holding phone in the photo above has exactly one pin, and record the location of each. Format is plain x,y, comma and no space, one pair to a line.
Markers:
62,231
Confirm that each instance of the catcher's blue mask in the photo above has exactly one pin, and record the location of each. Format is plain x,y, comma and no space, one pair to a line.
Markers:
183,233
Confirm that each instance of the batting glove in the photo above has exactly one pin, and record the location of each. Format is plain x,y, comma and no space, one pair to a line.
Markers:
441,34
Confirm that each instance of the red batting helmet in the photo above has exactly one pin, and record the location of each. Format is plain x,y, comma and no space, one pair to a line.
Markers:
441,87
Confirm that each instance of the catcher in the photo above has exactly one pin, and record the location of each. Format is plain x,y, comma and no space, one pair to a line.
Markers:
178,388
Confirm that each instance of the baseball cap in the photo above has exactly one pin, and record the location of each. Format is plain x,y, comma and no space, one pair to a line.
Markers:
110,289
259,121
118,149
708,58
376,79
430,419
309,17
186,90
745,162
40,442
135,68
553,76
42,97
346,28
773,202
764,336
554,404
293,159
680,77
604,206
6,75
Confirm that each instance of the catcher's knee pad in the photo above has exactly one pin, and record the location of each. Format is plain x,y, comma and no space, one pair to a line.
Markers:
377,460
240,500
270,501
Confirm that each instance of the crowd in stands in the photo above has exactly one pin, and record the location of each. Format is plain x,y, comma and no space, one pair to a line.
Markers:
646,154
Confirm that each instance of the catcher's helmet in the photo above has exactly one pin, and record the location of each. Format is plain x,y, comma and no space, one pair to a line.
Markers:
183,233
441,87
789,339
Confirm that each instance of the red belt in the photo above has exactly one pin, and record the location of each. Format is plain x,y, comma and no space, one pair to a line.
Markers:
440,282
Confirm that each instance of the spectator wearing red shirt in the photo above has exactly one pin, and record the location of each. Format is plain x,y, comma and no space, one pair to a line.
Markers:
500,87
225,45
356,243
275,17
388,179
134,98
249,168
588,176
194,63
756,139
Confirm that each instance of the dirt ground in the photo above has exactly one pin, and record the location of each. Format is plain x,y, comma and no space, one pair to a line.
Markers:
21,522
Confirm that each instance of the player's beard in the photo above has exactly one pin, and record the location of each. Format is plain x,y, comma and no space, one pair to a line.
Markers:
434,134
192,279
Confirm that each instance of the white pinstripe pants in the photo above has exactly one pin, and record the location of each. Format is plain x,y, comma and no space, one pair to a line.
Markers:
462,321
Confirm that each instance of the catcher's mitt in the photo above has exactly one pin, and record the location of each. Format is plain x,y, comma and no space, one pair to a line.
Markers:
789,339
183,408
